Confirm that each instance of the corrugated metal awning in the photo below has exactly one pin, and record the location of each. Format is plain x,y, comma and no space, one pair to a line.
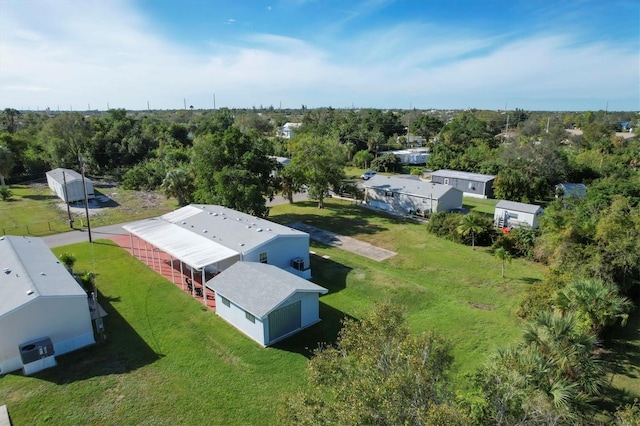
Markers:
193,249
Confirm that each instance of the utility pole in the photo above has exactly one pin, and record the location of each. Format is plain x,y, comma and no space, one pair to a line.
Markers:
185,103
214,101
506,133
148,109
86,197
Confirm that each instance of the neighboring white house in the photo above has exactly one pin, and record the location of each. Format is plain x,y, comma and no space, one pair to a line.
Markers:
67,184
44,312
211,238
413,156
266,303
287,130
511,214
471,184
403,196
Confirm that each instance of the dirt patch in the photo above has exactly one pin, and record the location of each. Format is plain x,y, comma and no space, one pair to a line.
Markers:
482,306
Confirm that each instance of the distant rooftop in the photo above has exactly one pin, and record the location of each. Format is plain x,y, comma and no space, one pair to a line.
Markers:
408,186
463,175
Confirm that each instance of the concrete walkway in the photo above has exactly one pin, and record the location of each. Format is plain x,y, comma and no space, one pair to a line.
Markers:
344,243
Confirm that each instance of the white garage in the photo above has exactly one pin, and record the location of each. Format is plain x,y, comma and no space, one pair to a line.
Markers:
265,302
43,310
67,184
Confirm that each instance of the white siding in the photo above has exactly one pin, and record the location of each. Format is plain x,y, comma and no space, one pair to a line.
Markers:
402,203
522,219
66,320
281,251
236,316
74,189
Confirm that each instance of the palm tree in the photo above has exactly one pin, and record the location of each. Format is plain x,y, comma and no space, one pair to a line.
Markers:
471,224
504,256
68,260
178,184
596,302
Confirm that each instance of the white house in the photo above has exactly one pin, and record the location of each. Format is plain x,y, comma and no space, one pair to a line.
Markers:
403,196
266,303
511,214
471,184
67,184
211,238
570,190
287,130
44,312
413,156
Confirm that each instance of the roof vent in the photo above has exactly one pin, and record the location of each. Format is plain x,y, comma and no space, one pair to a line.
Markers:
184,223
29,292
42,273
6,271
2,238
224,217
241,244
238,219
268,229
259,230
248,226
204,231
214,213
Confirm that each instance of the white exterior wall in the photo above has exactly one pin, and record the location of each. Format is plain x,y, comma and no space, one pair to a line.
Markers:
65,320
524,219
402,203
235,315
74,189
281,251
309,311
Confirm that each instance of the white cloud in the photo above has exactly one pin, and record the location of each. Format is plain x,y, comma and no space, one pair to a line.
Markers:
79,53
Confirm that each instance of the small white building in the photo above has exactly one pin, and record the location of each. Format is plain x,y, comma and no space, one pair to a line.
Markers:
511,214
266,303
405,195
571,190
287,130
67,184
44,312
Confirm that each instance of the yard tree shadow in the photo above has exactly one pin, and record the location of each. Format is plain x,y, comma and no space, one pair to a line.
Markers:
345,219
328,273
322,333
39,197
122,352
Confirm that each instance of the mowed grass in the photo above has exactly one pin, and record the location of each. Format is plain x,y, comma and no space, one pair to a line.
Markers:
35,210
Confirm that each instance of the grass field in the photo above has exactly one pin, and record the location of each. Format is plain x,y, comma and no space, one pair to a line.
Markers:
169,361
34,210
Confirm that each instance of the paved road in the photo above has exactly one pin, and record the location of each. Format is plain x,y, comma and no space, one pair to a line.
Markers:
78,236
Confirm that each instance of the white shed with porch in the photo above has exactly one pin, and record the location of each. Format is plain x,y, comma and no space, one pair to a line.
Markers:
67,184
511,214
266,303
44,312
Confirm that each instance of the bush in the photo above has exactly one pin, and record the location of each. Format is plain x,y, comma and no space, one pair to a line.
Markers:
147,175
5,193
416,171
519,242
445,225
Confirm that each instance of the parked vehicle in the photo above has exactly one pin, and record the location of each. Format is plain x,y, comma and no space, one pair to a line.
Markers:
368,175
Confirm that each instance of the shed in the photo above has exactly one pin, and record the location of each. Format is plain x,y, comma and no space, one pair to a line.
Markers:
511,214
471,184
266,303
415,156
44,312
402,196
570,190
67,184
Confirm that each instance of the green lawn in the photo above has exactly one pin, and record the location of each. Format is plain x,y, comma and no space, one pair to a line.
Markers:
169,361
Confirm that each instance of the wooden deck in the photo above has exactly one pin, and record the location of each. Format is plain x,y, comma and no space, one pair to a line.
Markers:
168,267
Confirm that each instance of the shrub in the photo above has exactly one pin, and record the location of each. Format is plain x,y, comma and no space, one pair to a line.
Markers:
519,242
5,193
445,225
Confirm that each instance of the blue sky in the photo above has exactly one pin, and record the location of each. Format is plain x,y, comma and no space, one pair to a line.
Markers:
530,54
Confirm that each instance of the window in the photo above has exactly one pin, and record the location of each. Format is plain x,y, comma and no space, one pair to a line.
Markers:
225,301
446,181
513,215
471,185
263,257
250,317
388,194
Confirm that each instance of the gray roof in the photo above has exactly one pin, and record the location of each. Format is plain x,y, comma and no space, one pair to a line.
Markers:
463,175
69,175
408,186
201,235
29,270
518,207
259,288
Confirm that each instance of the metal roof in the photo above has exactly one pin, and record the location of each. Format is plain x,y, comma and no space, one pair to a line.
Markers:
259,288
29,270
414,187
202,235
518,207
69,175
455,174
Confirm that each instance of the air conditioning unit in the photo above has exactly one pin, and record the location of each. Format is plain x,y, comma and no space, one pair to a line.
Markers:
35,350
298,264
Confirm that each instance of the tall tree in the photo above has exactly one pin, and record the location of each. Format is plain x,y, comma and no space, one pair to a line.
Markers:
66,138
178,183
233,169
6,163
377,373
317,162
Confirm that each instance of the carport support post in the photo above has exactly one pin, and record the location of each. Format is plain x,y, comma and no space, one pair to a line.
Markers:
133,250
160,261
173,280
193,283
181,274
204,289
